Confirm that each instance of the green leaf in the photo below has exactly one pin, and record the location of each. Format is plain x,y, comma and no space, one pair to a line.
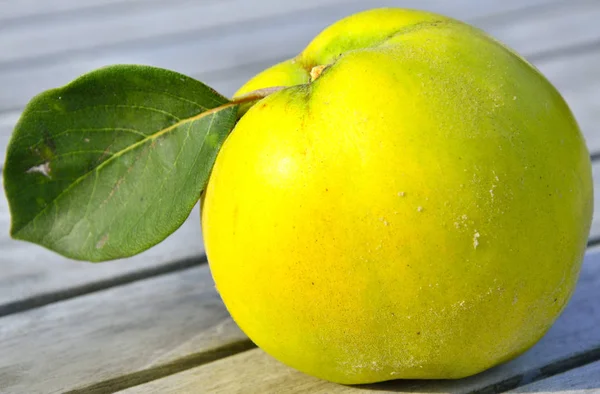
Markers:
112,163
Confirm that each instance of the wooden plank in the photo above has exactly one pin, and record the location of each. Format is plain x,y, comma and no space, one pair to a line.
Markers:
32,275
578,80
227,48
18,10
118,337
575,333
147,23
7,123
581,380
547,29
131,334
54,36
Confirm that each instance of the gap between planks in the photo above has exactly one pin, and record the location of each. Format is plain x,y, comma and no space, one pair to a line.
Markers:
168,331
164,370
118,337
572,342
50,297
578,381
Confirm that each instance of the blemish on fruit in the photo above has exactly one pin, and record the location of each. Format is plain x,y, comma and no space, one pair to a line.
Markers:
316,71
420,209
401,194
476,239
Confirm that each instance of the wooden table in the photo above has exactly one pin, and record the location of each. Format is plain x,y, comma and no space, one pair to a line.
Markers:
154,323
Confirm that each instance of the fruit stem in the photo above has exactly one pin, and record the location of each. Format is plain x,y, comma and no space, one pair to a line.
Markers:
316,71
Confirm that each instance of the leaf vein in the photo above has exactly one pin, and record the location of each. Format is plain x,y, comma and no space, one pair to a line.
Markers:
126,150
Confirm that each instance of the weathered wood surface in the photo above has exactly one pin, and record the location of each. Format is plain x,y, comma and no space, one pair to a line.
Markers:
118,337
582,380
130,334
15,11
573,340
176,18
34,276
231,48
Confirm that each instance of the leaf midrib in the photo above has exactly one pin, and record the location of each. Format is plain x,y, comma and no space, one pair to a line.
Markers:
15,232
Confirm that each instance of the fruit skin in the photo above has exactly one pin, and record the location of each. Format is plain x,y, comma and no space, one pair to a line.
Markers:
420,210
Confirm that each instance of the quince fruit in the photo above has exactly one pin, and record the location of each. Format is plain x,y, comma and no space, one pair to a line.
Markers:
416,208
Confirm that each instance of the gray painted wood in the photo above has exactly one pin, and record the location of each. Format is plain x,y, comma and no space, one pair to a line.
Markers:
13,9
121,336
575,333
8,121
578,80
53,35
237,45
582,380
29,271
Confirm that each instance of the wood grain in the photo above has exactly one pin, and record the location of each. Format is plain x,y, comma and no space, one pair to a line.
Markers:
582,380
118,337
54,36
567,344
